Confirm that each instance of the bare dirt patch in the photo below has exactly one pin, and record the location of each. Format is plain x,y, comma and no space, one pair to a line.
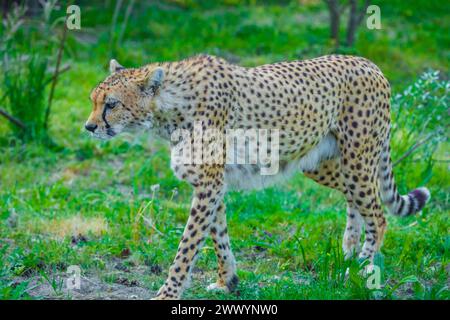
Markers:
91,288
74,226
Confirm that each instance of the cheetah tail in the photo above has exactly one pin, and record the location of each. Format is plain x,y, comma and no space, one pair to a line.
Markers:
398,205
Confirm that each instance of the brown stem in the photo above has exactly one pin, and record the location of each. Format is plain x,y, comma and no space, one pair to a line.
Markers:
413,148
112,42
13,119
55,74
61,71
125,21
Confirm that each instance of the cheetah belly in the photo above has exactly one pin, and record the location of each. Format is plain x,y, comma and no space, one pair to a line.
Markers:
248,176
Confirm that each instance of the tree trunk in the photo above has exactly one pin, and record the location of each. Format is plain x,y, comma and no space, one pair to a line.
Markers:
354,20
335,15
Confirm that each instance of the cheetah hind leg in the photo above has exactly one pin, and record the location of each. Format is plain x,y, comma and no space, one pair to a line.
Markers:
329,174
351,243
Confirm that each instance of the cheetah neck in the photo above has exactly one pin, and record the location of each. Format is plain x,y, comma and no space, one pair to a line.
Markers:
183,95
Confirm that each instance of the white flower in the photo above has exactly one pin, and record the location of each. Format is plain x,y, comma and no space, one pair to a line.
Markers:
154,187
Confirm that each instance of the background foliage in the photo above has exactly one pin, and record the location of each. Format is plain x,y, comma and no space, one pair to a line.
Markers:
115,209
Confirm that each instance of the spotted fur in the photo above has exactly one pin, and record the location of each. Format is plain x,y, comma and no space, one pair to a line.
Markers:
333,114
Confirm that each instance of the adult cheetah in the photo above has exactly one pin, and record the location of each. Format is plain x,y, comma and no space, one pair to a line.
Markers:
332,114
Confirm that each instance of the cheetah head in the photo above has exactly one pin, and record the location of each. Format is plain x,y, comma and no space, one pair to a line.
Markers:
124,101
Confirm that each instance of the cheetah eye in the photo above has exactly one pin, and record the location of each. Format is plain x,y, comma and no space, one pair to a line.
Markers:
110,105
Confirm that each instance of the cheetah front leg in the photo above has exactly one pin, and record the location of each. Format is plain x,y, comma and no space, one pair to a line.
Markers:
227,280
207,196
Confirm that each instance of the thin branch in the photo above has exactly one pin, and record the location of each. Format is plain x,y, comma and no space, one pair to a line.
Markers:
13,119
125,22
113,26
363,11
55,74
433,160
413,148
335,15
151,225
354,20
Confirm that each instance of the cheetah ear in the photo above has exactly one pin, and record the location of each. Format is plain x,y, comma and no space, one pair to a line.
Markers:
155,80
114,66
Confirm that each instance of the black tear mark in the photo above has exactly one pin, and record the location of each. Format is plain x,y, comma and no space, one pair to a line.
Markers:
104,118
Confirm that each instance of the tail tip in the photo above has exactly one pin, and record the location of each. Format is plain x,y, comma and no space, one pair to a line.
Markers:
421,196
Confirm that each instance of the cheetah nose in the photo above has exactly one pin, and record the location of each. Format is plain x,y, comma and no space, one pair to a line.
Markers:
91,127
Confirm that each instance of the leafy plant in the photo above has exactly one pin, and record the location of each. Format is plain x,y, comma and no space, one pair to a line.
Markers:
420,120
24,85
25,49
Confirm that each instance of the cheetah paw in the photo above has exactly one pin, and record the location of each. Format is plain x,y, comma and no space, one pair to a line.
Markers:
217,287
162,297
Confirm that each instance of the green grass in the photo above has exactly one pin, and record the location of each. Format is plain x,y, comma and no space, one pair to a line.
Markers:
287,240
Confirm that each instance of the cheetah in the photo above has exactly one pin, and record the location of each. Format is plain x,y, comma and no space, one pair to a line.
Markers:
332,114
